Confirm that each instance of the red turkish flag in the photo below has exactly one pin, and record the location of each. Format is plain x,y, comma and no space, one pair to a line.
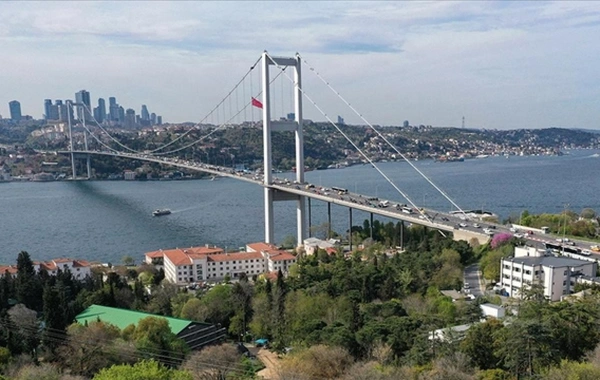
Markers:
256,103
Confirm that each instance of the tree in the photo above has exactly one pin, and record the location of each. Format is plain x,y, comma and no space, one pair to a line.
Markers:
214,363
25,329
588,213
478,344
127,260
93,347
26,289
144,370
153,338
317,362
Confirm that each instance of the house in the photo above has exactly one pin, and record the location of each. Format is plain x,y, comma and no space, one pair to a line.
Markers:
195,334
556,275
449,334
311,245
80,269
491,310
196,264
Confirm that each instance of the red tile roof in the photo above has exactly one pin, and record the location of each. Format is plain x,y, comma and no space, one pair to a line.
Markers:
11,269
261,246
155,254
177,257
236,256
281,256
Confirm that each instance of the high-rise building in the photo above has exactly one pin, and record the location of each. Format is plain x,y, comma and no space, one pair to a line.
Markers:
145,114
130,118
340,120
122,114
153,118
159,120
47,108
65,110
52,112
113,109
405,124
83,97
101,110
15,110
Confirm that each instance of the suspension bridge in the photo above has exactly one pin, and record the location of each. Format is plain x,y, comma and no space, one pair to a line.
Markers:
97,140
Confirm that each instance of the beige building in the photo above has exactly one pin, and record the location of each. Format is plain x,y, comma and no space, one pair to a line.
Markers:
195,264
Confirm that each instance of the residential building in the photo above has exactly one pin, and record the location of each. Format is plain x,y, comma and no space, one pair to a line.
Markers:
128,175
195,334
312,244
556,275
145,115
100,111
15,110
186,265
80,269
48,109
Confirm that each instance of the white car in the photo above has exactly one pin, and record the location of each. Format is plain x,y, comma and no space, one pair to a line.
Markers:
463,225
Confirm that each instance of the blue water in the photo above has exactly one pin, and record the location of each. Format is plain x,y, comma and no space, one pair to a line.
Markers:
103,221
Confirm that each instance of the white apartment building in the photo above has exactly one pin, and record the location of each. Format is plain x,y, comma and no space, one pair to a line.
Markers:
204,263
557,275
80,269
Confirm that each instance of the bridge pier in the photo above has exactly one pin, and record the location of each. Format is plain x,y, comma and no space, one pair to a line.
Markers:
350,230
269,226
309,218
328,220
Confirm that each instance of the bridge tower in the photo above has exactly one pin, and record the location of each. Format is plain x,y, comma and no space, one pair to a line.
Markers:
270,195
85,136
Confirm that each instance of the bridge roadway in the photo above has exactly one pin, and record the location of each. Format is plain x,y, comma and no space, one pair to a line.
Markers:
351,200
459,225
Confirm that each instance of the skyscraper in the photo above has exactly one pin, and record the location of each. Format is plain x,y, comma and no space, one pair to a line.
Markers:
153,118
15,110
53,112
47,108
113,109
83,96
130,118
122,114
101,110
159,120
145,114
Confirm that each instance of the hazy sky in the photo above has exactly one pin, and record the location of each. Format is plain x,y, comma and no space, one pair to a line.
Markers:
500,65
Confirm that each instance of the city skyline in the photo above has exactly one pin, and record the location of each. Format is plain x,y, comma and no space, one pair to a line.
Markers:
500,65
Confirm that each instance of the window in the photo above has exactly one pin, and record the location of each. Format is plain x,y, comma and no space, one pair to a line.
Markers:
506,266
537,272
517,269
527,271
566,272
564,283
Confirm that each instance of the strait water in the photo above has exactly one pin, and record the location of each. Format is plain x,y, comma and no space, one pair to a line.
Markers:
103,221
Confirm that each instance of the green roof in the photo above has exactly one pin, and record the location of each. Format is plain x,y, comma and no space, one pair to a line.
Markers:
123,317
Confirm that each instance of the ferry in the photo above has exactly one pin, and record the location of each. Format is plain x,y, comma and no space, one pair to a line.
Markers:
161,212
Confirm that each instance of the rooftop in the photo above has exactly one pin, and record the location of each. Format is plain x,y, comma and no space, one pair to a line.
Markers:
548,261
123,318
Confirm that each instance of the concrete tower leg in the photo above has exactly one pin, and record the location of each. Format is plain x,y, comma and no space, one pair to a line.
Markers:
269,225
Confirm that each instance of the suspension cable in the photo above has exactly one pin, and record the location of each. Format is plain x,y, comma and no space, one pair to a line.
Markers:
382,136
192,128
353,144
225,123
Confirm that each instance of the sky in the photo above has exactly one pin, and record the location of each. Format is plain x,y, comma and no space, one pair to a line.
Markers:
500,65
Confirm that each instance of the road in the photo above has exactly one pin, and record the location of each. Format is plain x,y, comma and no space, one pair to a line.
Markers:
473,278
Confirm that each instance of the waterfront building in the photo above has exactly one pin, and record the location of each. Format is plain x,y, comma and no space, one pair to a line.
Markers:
80,269
195,264
15,110
556,275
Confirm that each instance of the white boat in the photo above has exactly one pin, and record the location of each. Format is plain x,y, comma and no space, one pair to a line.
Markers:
161,212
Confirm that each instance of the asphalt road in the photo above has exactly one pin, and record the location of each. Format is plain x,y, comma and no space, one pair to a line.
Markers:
473,278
